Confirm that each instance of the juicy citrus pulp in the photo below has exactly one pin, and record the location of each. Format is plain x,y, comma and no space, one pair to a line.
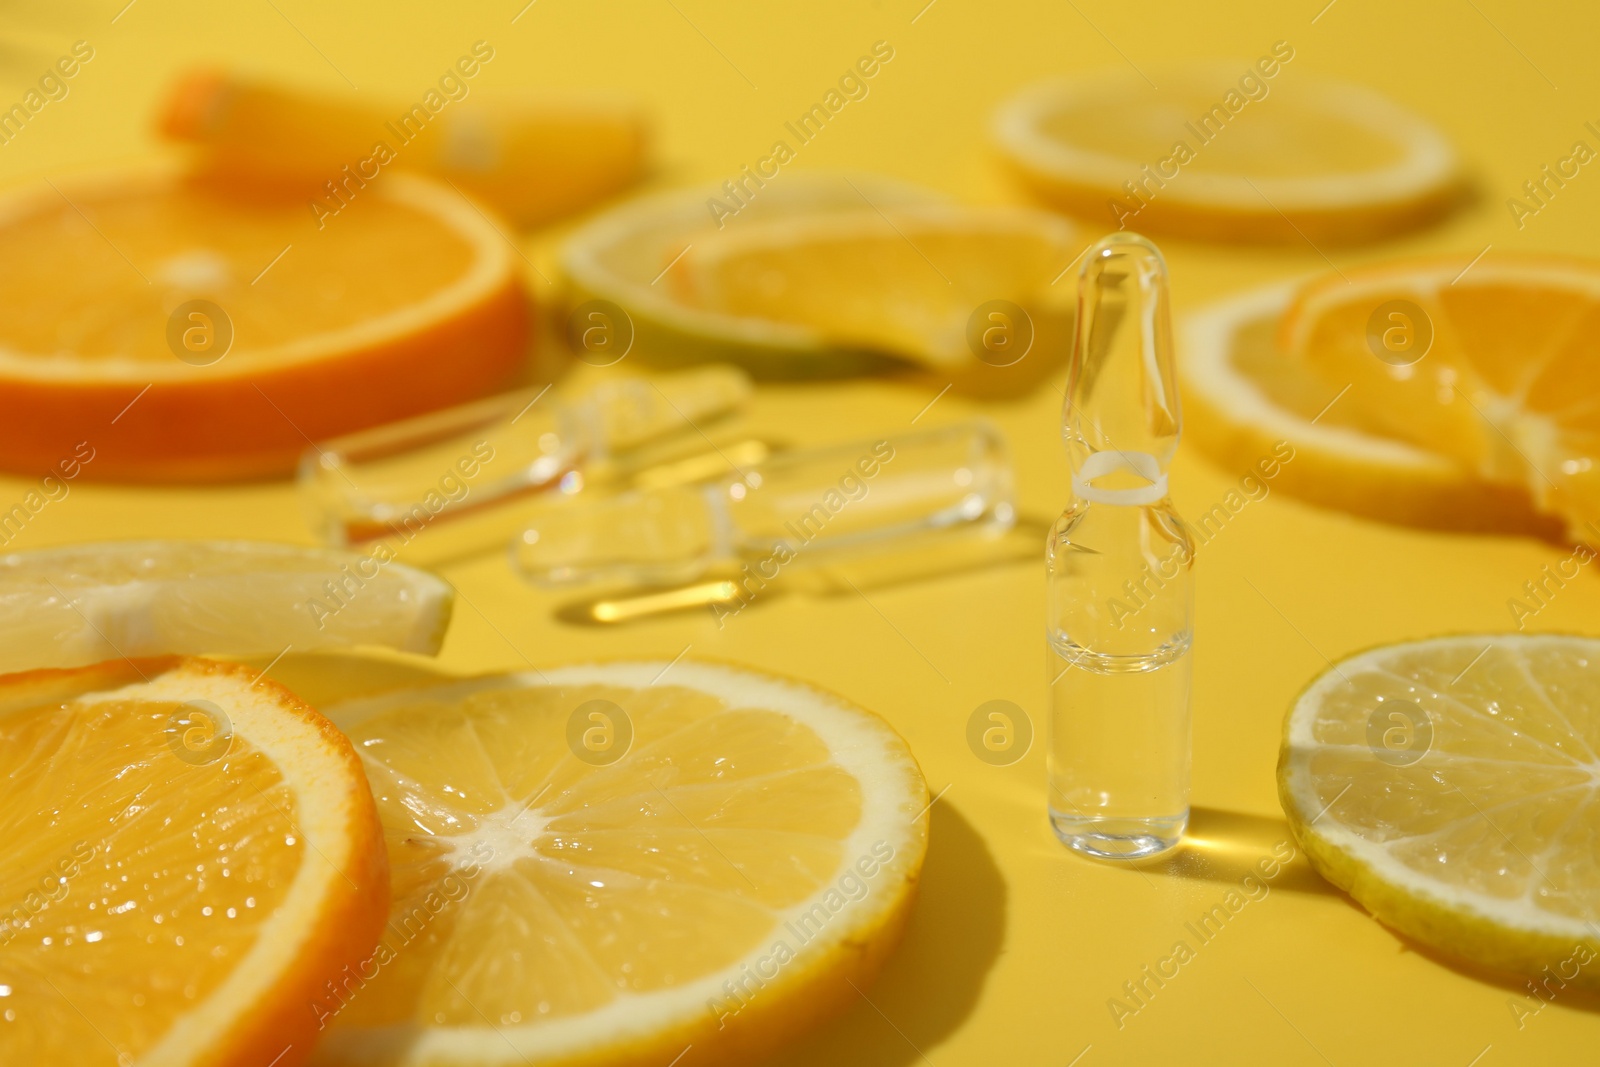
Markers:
191,854
906,281
62,607
628,255
605,864
1292,159
1491,363
1452,786
408,287
1244,397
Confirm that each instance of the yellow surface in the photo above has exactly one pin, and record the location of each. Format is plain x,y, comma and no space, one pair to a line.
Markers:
1016,946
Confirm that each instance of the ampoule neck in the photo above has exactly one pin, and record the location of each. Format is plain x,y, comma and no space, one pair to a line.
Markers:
1121,419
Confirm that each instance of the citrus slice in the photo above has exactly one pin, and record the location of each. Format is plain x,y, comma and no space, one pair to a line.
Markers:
1229,152
907,281
1244,400
627,257
191,854
1452,786
1494,365
608,864
61,607
532,155
184,330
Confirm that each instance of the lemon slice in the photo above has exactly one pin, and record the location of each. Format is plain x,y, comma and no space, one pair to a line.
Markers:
1452,786
1254,410
627,257
191,854
61,607
906,281
1493,365
1224,152
609,864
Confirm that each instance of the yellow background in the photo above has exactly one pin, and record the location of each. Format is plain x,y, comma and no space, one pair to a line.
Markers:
1016,946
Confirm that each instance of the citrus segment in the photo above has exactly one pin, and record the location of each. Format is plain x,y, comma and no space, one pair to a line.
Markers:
605,864
187,329
192,853
79,604
628,256
1452,786
1243,394
906,281
1229,152
1491,363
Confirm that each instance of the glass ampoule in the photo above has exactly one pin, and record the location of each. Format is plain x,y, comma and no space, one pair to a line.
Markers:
1120,600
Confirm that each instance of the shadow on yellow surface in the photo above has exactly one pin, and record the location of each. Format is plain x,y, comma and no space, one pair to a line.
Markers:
1227,846
1530,996
321,678
933,981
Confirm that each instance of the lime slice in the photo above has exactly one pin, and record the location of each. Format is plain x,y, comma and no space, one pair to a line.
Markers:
1452,786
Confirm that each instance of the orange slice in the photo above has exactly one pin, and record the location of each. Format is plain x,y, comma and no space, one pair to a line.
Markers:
176,330
628,256
192,854
1255,410
1494,365
1244,151
532,155
907,281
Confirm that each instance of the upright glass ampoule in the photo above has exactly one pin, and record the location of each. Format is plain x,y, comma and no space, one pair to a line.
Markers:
1120,599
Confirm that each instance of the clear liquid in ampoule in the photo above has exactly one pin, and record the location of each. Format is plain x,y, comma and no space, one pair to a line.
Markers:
1119,640
1119,764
